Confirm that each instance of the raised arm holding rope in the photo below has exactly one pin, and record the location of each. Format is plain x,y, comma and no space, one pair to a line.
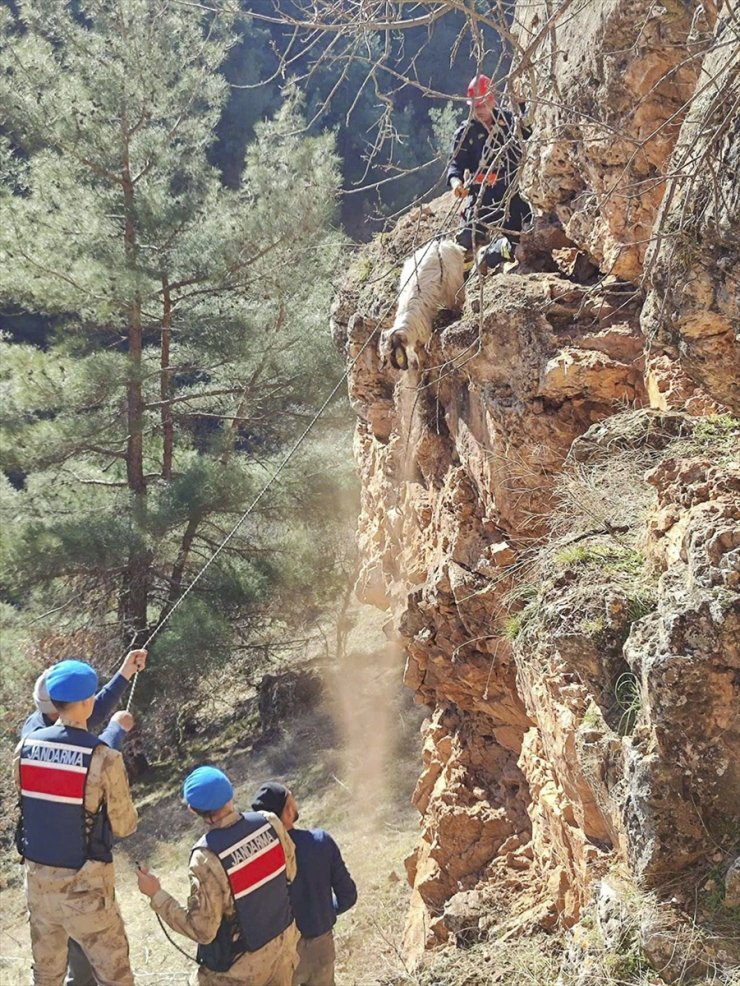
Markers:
105,702
74,798
79,970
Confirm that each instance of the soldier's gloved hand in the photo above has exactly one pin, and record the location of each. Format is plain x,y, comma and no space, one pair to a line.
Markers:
458,189
148,882
135,661
124,719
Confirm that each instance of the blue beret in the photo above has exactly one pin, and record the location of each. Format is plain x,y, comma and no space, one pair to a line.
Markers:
71,681
207,789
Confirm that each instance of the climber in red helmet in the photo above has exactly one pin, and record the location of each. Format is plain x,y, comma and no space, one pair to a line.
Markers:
488,148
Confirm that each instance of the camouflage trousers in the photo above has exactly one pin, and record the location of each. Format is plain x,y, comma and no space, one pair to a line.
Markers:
81,905
315,961
272,965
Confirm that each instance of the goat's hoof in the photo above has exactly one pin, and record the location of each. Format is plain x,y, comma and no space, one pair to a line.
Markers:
399,360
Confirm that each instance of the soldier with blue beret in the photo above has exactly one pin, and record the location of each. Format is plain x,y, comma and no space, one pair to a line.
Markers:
74,799
79,971
239,909
106,701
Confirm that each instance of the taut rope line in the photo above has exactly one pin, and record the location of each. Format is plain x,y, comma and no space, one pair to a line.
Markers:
307,430
246,513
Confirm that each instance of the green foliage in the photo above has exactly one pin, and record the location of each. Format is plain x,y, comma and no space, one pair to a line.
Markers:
513,626
593,627
716,426
713,887
624,567
592,717
610,557
628,966
445,120
13,684
723,920
520,622
629,699
189,345
198,636
717,435
641,601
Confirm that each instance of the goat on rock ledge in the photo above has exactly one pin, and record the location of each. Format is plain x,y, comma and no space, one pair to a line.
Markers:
432,280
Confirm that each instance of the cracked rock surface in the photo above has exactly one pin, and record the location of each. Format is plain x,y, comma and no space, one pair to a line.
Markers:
550,507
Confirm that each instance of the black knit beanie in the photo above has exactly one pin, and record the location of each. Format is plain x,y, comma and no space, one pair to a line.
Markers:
271,797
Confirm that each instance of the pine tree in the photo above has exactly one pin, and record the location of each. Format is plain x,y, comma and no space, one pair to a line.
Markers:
188,342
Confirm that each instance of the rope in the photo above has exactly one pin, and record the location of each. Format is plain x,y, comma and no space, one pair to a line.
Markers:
246,514
172,942
307,430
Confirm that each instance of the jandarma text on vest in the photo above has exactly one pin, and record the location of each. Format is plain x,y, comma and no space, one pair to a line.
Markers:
250,847
69,755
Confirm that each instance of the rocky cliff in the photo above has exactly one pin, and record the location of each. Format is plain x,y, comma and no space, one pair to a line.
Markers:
551,506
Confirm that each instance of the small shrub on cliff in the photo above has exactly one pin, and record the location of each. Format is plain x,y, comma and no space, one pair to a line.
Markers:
717,435
641,603
629,700
608,557
624,567
594,627
523,619
626,967
593,717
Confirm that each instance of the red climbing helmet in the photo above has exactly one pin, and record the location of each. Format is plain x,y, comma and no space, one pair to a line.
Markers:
480,90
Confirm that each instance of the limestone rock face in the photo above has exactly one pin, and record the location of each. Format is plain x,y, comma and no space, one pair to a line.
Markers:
686,653
550,506
691,270
609,86
472,796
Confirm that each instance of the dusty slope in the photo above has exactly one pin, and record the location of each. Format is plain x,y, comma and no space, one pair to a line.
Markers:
322,757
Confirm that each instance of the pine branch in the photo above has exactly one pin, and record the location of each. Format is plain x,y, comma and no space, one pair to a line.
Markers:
221,392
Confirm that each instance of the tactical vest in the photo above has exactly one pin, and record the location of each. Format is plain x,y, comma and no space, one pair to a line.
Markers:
253,858
54,827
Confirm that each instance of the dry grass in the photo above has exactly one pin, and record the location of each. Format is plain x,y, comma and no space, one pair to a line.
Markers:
527,961
328,782
602,503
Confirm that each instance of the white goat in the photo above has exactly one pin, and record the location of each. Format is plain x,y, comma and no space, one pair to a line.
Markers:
432,279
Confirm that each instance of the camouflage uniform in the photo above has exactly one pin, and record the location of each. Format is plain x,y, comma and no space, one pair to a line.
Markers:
211,899
316,958
81,904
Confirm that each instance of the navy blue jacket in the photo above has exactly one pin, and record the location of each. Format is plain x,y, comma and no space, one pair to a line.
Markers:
474,148
323,887
105,705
